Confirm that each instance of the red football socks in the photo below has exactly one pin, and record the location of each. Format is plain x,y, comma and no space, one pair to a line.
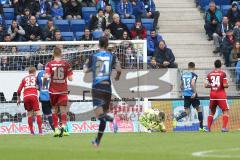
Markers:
30,124
210,121
55,120
64,119
39,122
225,121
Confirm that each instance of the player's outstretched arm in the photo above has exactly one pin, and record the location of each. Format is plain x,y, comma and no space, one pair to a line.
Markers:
44,81
19,92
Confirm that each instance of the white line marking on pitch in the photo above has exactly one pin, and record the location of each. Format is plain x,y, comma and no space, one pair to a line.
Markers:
208,153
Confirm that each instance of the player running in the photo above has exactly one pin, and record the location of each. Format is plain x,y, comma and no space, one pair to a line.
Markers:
101,64
30,99
217,81
188,86
58,71
44,98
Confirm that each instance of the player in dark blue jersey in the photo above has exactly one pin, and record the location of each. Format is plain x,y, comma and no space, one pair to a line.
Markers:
101,65
44,98
188,86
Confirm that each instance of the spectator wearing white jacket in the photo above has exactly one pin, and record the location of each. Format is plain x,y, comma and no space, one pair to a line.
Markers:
16,32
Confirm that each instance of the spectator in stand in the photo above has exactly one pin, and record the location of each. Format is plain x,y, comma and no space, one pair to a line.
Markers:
150,12
220,33
138,8
98,22
33,31
49,30
87,3
7,38
213,17
24,19
117,28
138,31
227,46
233,14
4,64
73,10
163,57
45,9
238,73
16,32
152,42
35,8
57,10
107,33
102,4
125,9
236,32
125,36
234,54
109,14
87,35
1,33
58,36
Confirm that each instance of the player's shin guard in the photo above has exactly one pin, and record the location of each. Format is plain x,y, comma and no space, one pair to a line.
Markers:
101,129
182,115
200,118
55,120
39,122
30,124
225,121
64,119
210,121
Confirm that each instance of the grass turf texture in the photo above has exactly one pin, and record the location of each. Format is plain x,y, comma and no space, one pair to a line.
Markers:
123,146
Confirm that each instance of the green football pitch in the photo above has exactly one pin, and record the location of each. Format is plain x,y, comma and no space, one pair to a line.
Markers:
123,146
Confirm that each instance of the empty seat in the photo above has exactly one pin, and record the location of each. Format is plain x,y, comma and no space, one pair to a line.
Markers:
203,3
97,34
79,35
87,12
8,13
8,23
63,25
222,2
224,9
67,36
77,25
42,22
129,22
148,23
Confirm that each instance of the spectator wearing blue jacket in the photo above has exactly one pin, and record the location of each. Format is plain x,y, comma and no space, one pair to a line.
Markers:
150,12
152,42
125,9
213,17
56,10
102,4
138,8
238,73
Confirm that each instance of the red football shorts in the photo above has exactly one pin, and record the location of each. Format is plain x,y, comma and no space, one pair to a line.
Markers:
222,103
31,103
59,99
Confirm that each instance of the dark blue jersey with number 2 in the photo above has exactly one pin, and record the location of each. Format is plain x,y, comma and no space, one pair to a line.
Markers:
102,63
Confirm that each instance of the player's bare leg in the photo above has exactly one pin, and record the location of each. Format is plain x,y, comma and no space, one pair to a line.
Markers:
64,131
225,118
200,118
39,121
30,121
210,118
55,121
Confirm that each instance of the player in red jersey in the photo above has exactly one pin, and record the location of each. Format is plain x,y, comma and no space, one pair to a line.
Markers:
58,71
30,98
217,81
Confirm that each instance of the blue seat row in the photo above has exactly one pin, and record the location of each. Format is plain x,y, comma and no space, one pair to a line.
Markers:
204,3
224,9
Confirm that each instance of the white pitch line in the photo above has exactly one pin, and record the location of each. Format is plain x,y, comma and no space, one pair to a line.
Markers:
206,153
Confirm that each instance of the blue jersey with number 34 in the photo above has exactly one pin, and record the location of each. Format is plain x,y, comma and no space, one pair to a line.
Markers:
102,63
187,78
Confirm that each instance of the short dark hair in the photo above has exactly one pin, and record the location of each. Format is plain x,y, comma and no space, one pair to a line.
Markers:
100,9
103,42
218,63
86,28
191,65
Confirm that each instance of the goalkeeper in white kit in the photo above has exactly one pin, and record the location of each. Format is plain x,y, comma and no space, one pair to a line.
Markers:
153,120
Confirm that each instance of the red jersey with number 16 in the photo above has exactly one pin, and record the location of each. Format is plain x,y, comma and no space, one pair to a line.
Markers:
59,72
29,83
216,79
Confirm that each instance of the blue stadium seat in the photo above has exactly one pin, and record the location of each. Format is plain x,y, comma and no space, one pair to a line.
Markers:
87,11
63,25
42,22
8,23
77,25
203,3
8,13
79,35
147,23
23,48
129,22
224,9
97,34
222,2
67,36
